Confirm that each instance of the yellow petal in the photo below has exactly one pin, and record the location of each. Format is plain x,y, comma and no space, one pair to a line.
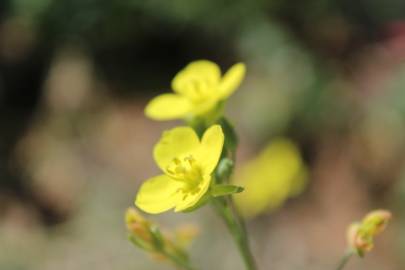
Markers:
205,68
158,194
201,70
192,198
231,80
204,107
167,107
210,150
175,143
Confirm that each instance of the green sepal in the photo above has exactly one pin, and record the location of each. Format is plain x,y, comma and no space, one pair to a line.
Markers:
139,242
157,237
204,199
223,190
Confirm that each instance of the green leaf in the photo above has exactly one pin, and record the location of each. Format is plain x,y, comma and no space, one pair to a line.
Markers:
223,190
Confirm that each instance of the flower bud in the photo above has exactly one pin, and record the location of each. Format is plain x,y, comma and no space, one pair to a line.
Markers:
360,236
146,235
137,224
378,220
357,240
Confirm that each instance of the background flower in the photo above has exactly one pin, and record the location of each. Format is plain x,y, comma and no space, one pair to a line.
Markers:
272,177
198,89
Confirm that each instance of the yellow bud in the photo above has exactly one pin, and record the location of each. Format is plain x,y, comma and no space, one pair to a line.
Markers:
132,216
351,234
357,240
147,236
377,220
137,224
360,236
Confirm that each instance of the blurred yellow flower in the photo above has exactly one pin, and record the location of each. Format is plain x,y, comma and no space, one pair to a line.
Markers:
198,89
187,164
185,234
360,235
271,178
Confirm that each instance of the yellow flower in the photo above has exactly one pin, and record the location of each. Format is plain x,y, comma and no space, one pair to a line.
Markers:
187,163
360,235
198,88
271,178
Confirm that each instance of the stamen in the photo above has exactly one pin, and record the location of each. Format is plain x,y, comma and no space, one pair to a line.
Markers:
177,161
185,170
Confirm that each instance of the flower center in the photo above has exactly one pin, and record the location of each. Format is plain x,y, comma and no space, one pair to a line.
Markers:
185,170
198,89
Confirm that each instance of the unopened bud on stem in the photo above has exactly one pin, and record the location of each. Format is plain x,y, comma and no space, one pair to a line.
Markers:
361,235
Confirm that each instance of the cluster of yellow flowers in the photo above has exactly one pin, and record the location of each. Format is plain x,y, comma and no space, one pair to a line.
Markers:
194,160
197,161
188,162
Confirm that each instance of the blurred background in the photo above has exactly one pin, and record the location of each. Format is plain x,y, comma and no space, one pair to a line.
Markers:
75,75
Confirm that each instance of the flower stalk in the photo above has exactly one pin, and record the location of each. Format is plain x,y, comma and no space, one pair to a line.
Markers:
345,259
224,206
180,261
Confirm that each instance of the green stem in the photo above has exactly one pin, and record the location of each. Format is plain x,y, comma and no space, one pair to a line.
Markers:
225,208
177,260
345,259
